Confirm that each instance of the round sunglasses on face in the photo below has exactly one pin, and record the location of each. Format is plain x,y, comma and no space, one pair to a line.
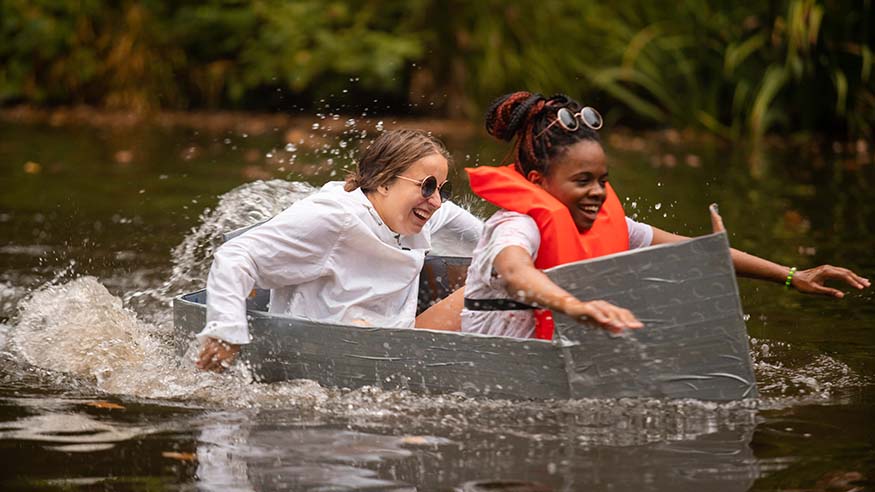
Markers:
569,121
428,186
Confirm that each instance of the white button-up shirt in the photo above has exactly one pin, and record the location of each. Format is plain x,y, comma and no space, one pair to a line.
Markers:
327,258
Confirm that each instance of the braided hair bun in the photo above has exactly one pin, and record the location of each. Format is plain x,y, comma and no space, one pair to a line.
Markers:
508,114
528,116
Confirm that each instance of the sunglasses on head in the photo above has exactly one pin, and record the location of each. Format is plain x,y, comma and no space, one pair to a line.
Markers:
570,121
429,185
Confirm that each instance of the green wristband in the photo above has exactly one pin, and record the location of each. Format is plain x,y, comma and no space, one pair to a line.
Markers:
790,277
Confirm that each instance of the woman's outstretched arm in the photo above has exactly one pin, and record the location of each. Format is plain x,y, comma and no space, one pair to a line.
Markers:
527,284
810,281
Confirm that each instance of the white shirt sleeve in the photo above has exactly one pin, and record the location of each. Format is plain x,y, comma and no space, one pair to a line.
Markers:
505,229
452,223
290,249
640,234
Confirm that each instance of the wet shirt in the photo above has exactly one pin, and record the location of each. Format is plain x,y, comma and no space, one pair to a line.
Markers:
503,229
327,258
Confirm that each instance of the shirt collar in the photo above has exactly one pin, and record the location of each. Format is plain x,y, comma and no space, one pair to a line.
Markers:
414,241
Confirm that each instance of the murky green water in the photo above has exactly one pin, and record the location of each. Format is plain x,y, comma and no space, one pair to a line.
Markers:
97,400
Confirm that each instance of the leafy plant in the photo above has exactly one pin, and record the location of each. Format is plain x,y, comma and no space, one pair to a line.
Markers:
739,70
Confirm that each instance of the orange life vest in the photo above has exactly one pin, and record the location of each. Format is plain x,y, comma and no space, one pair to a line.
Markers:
560,240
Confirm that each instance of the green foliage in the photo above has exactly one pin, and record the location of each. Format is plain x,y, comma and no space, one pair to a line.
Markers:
738,70
741,70
150,54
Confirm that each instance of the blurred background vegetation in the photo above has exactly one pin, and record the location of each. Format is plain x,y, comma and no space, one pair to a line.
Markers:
739,70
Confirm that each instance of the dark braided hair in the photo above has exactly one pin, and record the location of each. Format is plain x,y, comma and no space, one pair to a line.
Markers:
525,115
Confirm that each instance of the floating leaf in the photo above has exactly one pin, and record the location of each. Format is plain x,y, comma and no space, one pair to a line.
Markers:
105,404
174,455
123,156
414,440
424,441
31,167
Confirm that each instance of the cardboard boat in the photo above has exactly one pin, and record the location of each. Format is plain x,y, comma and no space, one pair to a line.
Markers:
694,343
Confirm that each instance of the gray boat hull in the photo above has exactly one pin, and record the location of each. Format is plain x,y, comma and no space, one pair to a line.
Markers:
694,344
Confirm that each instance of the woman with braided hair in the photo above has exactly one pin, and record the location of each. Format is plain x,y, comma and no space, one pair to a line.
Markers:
557,207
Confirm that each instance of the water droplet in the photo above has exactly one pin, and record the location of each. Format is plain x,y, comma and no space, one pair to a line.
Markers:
269,155
657,206
290,147
379,126
315,126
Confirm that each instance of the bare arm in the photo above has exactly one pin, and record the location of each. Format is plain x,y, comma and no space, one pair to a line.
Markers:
810,281
530,285
445,315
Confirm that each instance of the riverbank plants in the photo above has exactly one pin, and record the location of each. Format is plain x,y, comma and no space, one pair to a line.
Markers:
738,70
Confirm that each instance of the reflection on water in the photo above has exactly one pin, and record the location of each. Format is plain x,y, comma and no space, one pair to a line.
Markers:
248,456
68,432
88,272
242,456
287,450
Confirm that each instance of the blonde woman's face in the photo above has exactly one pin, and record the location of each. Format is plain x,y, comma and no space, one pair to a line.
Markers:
401,204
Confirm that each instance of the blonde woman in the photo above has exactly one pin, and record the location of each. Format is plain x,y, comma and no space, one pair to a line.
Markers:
348,254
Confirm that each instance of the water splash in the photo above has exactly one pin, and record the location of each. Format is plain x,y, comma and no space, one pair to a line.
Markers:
80,329
10,296
245,205
784,372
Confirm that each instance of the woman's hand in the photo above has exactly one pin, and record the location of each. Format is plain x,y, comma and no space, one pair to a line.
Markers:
812,281
612,318
217,355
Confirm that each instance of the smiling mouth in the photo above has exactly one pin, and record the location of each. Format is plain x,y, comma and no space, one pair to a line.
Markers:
421,214
592,209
